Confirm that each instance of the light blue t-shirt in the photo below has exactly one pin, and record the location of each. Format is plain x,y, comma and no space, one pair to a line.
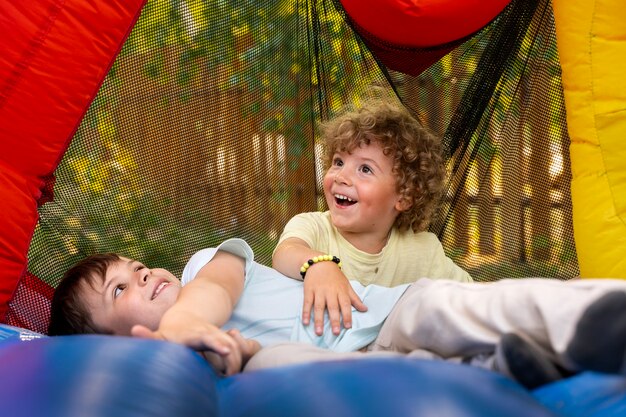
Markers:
270,307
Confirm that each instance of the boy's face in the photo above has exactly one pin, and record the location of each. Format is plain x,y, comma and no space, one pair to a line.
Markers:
360,189
130,294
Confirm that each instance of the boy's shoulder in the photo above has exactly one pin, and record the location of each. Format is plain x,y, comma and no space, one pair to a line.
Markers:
422,239
320,215
235,246
318,218
410,234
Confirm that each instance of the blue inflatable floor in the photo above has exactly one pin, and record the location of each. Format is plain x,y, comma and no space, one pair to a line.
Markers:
116,376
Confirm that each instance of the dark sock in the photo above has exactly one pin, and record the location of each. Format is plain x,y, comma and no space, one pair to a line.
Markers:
599,342
526,362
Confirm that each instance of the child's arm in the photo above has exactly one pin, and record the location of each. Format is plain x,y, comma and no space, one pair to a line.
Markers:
325,286
203,305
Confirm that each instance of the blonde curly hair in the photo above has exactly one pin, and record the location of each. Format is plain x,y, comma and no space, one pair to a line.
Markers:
417,154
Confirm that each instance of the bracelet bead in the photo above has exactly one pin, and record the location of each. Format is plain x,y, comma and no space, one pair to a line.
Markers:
320,258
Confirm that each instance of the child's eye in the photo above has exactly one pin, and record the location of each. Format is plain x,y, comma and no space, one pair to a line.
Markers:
366,169
118,290
139,267
337,162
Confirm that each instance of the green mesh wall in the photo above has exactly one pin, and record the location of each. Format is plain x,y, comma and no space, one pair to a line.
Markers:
206,128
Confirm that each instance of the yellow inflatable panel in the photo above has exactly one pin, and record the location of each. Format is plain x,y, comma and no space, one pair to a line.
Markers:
591,39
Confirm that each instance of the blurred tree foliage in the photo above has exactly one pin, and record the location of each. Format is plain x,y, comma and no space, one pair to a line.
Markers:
269,52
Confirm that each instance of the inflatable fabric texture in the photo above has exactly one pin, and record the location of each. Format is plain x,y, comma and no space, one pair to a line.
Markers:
55,55
377,387
586,395
104,376
410,36
422,24
98,375
591,37
17,334
117,376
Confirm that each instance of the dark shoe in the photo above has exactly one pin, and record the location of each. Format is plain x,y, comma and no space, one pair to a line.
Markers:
525,362
599,342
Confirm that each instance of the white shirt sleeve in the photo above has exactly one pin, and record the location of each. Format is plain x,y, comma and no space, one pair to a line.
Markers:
237,247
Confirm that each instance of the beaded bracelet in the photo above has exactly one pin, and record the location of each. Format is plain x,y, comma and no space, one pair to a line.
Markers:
321,258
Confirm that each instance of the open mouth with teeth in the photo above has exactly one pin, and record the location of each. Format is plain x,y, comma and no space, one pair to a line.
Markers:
343,200
159,288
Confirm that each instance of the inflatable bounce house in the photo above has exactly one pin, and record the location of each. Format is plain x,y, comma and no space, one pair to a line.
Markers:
156,128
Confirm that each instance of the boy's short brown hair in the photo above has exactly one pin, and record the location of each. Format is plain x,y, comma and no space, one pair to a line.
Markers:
69,314
417,153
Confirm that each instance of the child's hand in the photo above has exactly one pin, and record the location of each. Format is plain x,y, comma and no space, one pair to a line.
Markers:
326,287
202,336
247,347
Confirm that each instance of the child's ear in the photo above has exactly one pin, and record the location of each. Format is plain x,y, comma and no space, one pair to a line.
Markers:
403,204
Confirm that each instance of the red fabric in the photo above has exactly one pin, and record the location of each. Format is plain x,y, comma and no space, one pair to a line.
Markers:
30,306
412,61
55,54
410,35
422,23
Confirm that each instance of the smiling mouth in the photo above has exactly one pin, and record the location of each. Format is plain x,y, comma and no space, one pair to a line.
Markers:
158,289
344,201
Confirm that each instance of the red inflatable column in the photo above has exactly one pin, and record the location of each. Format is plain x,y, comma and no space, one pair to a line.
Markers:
55,54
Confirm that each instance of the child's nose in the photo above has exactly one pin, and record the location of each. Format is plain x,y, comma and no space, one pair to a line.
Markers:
143,277
342,178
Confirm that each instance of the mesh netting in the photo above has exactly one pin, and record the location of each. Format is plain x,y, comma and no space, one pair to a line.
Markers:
206,128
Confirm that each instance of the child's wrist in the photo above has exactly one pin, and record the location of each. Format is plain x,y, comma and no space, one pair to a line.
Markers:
316,259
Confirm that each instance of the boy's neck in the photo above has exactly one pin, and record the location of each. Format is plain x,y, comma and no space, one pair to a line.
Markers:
371,243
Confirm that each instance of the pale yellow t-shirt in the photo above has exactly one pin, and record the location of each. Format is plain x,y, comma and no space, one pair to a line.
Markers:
407,256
